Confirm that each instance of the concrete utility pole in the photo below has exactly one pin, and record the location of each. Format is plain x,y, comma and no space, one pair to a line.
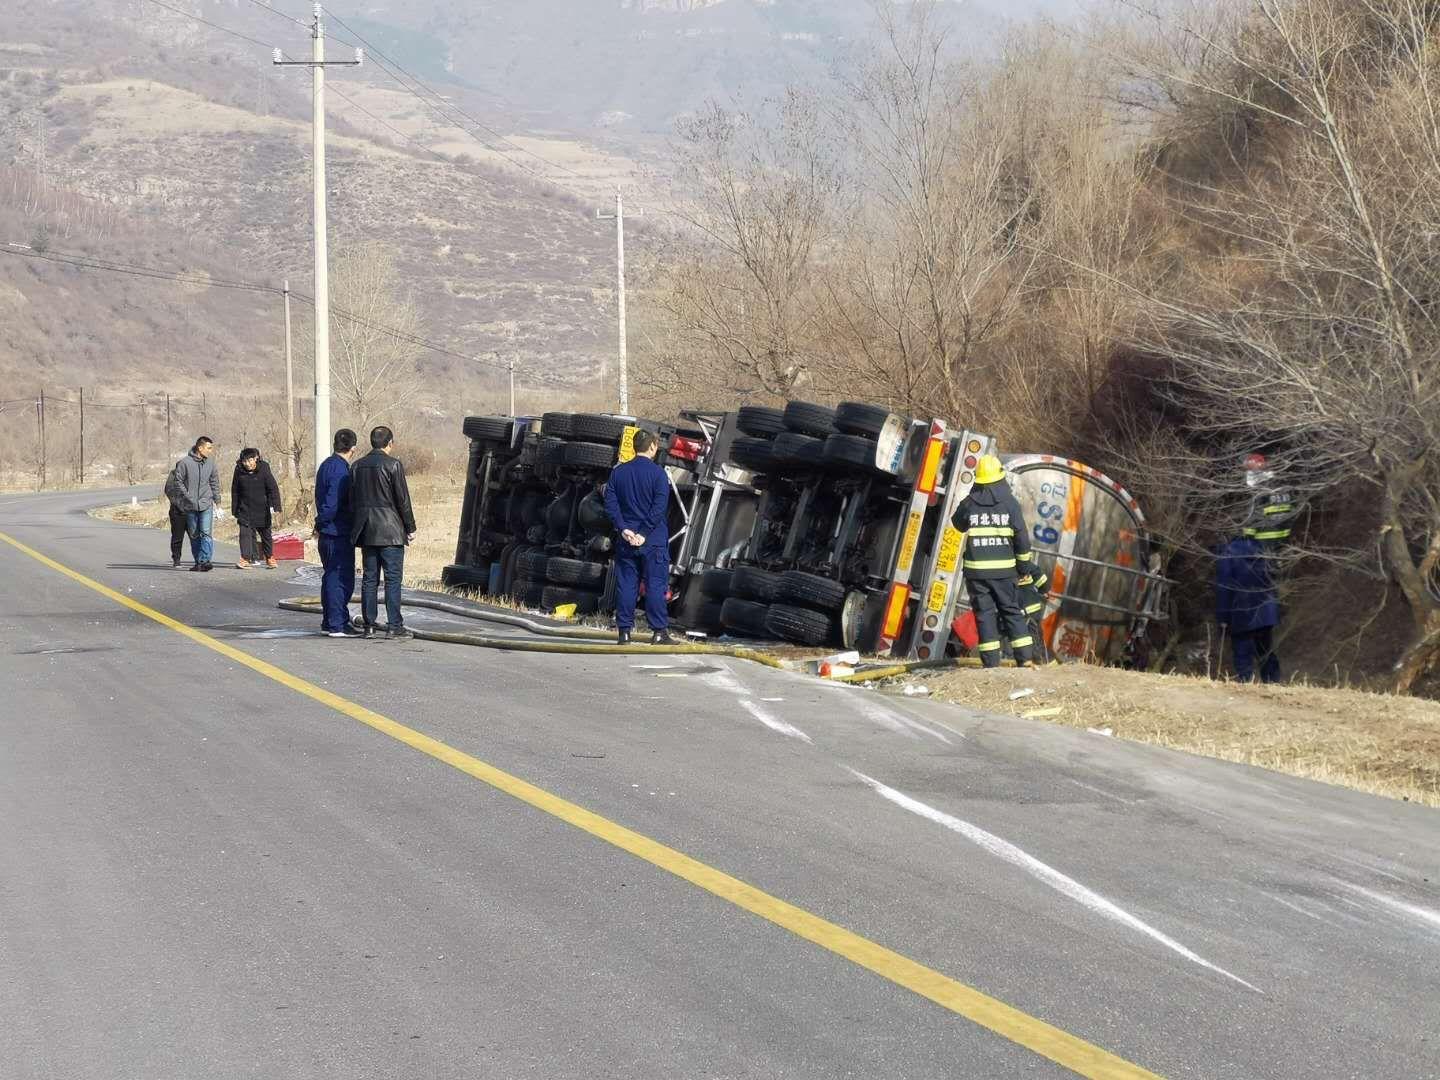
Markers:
317,64
512,386
82,436
292,466
40,426
619,217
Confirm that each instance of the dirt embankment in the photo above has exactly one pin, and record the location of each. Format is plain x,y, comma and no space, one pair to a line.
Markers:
1379,743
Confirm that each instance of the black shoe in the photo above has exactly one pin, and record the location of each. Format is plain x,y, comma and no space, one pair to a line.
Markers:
174,564
195,569
206,567
662,637
623,638
399,633
347,632
368,632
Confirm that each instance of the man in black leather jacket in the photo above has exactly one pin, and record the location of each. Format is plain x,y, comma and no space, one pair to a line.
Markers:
382,524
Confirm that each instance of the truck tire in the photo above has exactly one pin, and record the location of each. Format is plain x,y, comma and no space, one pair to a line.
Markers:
808,419
587,455
851,453
760,422
753,453
707,617
585,601
800,625
488,428
858,418
575,572
466,577
794,451
530,565
533,595
715,584
749,583
811,591
592,427
556,424
743,617
548,450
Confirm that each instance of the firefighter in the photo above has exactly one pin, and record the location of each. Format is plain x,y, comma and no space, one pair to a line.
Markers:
1034,587
997,554
1272,512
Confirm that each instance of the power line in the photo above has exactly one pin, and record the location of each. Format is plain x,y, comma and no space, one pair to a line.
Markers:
381,61
207,22
156,273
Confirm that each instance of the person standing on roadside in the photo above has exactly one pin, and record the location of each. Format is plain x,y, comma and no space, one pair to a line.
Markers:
637,498
178,526
254,496
1247,605
382,524
332,531
197,490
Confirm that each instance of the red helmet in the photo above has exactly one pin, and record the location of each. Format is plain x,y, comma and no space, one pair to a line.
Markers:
1255,462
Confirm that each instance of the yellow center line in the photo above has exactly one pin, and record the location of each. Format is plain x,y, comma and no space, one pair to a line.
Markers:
990,1013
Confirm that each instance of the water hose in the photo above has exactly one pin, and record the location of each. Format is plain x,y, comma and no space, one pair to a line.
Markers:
310,604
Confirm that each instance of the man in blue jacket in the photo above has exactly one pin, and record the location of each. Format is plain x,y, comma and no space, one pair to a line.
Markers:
332,530
1245,603
637,498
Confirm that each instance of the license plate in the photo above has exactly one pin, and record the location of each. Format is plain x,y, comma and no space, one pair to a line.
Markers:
938,592
950,549
907,545
627,444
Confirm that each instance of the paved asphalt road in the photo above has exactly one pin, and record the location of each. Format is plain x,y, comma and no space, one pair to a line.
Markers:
205,873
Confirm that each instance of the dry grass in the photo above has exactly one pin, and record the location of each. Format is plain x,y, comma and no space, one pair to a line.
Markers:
1377,743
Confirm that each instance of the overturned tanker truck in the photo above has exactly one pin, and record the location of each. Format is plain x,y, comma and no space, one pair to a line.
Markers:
802,524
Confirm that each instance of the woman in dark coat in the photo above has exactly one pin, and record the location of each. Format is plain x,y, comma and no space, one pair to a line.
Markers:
253,495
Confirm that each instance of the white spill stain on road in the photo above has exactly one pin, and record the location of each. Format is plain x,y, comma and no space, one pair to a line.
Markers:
1069,887
775,723
725,680
1424,916
1296,907
878,714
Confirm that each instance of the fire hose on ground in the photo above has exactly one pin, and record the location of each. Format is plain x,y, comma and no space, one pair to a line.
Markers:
579,640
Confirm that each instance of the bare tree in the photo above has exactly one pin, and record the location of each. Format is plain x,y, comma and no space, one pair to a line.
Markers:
1316,341
740,290
372,364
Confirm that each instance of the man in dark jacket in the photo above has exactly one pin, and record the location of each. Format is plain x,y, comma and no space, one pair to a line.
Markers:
637,498
1246,604
382,523
197,492
254,496
997,552
179,527
332,531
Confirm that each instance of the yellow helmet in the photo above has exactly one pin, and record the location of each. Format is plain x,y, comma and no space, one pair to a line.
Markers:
990,470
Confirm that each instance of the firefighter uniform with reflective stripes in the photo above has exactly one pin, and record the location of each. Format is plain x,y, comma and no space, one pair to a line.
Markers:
1033,589
997,553
1272,518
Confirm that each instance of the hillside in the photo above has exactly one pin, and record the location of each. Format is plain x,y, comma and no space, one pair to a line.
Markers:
118,144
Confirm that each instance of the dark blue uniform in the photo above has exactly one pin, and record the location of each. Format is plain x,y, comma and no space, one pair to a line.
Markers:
337,553
1246,603
638,498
